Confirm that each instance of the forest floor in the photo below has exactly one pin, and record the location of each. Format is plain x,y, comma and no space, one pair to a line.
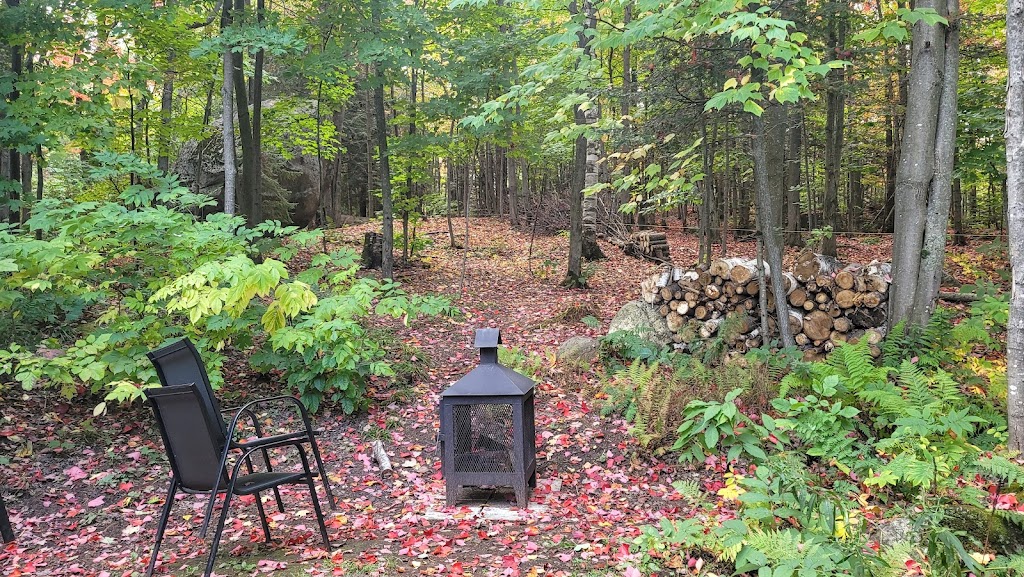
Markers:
84,491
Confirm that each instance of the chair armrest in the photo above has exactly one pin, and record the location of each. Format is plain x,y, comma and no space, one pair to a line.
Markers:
246,409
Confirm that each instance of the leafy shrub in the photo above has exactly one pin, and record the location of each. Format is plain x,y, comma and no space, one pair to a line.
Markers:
711,427
144,271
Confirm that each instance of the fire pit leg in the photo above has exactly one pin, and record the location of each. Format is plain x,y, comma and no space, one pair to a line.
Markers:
451,494
522,495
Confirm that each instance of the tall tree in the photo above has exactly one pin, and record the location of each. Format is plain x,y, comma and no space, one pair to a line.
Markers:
925,171
387,208
228,118
1015,189
835,107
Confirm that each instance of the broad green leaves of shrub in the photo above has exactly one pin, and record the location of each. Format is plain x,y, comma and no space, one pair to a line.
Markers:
139,275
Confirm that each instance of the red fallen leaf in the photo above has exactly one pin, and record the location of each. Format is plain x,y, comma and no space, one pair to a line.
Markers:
97,502
509,562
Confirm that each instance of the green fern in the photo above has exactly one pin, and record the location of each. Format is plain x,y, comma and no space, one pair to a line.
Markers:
918,388
784,545
1000,468
1012,566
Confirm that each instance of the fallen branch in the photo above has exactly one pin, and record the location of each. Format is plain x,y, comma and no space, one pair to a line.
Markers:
381,456
959,297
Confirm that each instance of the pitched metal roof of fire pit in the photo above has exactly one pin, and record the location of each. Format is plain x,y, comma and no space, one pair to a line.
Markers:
489,378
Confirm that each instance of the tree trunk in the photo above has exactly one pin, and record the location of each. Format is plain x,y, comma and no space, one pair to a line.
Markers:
1015,189
856,205
924,175
793,179
15,158
256,95
766,208
388,257
228,115
834,127
958,215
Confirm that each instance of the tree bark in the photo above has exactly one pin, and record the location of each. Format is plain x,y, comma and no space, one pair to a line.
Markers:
834,128
792,234
388,257
924,174
1015,189
15,158
228,116
766,207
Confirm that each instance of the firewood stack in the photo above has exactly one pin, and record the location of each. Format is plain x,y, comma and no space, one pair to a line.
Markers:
827,302
648,245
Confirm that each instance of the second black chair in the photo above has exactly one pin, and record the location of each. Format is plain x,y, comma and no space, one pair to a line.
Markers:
197,450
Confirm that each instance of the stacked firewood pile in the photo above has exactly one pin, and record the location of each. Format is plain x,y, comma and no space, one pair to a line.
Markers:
647,245
827,302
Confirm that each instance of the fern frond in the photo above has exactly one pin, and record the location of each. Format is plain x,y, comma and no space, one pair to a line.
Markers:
774,544
918,392
1001,468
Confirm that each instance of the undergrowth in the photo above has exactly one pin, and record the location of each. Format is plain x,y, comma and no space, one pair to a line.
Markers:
835,445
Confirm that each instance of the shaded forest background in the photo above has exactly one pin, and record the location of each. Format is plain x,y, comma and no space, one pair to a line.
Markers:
480,103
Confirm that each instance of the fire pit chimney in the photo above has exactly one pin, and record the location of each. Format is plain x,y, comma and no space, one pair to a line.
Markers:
487,426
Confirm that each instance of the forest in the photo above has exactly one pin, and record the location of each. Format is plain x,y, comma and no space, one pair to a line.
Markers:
762,261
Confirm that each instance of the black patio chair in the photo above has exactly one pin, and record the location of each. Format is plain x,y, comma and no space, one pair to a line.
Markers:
197,450
179,363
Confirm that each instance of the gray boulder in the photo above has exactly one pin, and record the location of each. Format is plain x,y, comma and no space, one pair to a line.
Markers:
642,319
578,351
896,530
289,184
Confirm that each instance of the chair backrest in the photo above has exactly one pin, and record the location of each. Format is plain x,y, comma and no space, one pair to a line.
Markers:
192,439
180,364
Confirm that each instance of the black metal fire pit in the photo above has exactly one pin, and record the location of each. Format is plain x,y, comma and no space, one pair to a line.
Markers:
487,428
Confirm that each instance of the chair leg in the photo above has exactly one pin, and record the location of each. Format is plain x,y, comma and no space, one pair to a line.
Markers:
320,468
263,517
161,525
266,461
220,529
316,500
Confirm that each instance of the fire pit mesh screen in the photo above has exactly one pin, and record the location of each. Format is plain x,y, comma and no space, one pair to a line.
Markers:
483,438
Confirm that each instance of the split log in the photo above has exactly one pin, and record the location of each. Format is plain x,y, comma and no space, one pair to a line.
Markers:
701,312
674,321
798,297
817,325
809,267
796,321
844,279
712,291
847,299
842,324
874,336
809,305
871,299
710,327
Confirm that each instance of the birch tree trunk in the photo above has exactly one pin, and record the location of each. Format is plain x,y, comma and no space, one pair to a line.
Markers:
228,116
924,173
1015,190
